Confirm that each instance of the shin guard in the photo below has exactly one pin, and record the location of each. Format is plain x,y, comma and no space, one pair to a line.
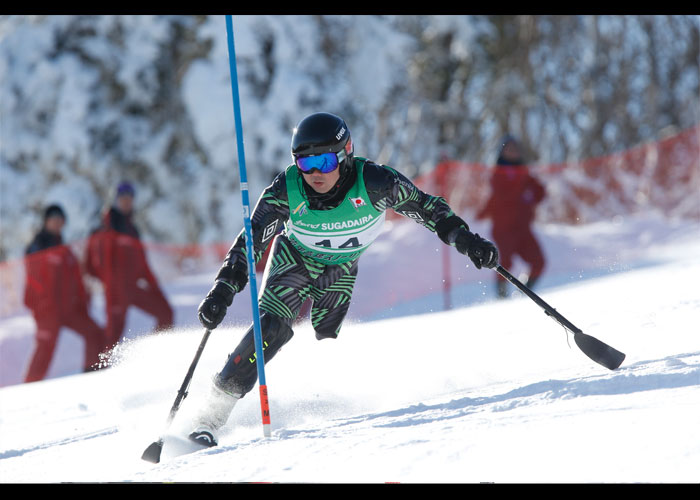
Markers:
240,372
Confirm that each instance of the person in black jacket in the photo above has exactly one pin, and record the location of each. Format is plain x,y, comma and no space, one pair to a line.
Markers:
332,205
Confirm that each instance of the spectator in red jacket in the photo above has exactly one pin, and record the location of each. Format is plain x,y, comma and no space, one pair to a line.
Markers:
116,256
56,295
511,207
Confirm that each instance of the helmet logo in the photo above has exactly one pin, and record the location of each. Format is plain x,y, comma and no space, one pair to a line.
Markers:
340,134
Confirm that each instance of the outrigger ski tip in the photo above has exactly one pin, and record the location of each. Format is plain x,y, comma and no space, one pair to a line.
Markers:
598,351
152,453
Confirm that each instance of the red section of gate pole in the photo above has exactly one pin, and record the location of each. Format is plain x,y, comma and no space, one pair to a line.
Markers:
265,410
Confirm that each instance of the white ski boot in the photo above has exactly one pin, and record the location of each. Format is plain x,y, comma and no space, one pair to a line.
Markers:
213,416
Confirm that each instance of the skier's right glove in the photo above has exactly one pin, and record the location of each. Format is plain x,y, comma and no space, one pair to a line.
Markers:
212,310
481,251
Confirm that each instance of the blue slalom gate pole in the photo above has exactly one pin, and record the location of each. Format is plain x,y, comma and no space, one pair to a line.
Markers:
264,403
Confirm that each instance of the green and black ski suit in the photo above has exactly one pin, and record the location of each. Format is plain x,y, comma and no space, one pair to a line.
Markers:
318,239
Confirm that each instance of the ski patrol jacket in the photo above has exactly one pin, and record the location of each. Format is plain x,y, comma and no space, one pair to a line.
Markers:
336,226
115,255
54,283
515,194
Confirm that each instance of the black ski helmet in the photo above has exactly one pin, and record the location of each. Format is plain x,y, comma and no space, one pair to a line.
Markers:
320,133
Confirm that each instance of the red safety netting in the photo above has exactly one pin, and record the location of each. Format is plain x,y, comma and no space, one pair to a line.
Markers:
662,176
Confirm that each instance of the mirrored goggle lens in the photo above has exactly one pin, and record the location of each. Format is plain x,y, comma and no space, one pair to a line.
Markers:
324,163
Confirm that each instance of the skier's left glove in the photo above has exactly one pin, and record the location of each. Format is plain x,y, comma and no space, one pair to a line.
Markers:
481,251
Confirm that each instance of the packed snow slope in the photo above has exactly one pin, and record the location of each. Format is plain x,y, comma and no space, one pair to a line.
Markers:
492,392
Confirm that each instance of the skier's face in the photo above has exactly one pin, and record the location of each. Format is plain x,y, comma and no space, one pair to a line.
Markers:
322,183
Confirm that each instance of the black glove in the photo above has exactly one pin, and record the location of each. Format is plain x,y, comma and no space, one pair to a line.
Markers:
482,252
212,310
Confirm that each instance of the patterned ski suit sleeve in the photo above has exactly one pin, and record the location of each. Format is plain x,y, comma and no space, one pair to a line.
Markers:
268,217
389,188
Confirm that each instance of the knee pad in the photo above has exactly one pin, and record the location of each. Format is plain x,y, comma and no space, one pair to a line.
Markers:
240,372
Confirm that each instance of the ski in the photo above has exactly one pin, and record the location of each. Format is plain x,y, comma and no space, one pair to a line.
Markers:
153,451
598,351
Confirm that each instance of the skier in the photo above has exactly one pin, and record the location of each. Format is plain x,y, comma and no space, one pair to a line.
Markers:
332,204
116,256
56,295
515,194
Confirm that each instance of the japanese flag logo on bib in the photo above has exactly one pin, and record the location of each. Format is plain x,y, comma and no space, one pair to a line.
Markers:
357,202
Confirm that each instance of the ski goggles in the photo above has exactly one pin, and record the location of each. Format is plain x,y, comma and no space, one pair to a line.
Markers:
325,162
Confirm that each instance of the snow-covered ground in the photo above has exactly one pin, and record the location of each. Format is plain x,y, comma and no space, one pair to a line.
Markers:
490,391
